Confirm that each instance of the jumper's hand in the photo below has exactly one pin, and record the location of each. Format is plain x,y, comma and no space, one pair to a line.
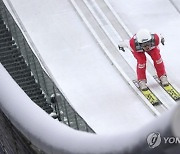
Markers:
121,48
162,40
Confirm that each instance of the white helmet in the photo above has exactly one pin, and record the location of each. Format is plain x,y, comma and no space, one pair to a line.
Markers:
143,35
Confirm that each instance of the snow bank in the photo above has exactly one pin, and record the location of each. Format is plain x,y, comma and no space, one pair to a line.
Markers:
54,137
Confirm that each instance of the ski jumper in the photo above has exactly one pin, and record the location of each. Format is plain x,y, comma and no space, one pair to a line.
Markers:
140,56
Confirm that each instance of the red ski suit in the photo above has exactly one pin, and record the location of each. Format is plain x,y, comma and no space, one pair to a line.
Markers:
140,56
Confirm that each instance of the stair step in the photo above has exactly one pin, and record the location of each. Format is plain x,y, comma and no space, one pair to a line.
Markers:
19,79
3,30
8,48
1,22
20,74
2,26
13,61
34,85
5,39
7,43
7,34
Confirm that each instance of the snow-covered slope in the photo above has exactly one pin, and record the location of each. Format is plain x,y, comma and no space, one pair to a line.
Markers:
82,71
158,16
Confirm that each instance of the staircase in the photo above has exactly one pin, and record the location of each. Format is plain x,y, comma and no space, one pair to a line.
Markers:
13,61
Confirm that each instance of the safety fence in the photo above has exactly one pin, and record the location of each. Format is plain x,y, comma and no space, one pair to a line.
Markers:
63,110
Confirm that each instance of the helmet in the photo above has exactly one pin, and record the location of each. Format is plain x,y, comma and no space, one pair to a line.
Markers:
143,35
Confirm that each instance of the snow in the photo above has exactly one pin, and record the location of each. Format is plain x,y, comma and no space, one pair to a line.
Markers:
81,70
75,60
53,137
90,82
158,16
44,131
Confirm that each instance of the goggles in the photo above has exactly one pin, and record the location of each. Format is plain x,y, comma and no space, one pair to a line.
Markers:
145,44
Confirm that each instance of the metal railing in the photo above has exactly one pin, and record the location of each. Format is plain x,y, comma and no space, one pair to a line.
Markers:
64,111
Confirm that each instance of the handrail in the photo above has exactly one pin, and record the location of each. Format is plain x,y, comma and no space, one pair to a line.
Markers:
40,70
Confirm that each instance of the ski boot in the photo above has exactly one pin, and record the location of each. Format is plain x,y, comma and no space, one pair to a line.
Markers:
142,85
163,80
